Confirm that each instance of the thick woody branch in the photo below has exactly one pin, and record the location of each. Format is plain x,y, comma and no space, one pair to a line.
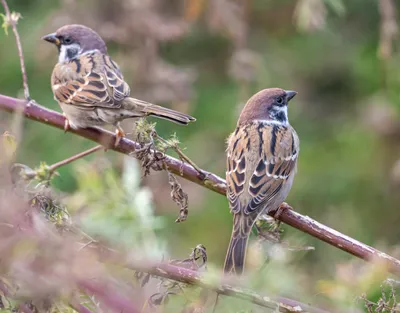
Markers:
211,181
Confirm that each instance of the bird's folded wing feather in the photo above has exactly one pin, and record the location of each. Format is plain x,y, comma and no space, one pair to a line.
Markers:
92,80
260,159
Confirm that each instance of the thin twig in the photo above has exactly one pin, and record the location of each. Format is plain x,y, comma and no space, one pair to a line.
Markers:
55,166
13,24
213,182
183,156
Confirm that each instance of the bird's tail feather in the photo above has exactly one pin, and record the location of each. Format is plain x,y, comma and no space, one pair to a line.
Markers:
235,257
146,108
236,254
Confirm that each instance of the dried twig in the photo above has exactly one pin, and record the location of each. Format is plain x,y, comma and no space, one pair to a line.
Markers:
12,19
212,182
182,156
55,166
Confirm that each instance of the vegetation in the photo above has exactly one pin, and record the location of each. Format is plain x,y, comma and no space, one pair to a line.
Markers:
205,57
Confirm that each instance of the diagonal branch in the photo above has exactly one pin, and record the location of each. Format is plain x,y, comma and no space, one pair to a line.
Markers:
211,181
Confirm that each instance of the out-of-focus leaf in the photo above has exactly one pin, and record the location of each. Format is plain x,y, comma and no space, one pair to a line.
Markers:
337,6
8,146
310,15
193,9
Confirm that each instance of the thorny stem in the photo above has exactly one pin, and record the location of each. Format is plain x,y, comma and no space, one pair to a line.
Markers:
212,182
55,166
19,46
183,156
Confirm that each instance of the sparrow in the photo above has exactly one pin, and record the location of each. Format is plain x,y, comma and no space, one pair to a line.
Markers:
261,164
90,87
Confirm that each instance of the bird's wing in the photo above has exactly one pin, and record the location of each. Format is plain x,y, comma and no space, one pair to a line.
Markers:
261,158
92,80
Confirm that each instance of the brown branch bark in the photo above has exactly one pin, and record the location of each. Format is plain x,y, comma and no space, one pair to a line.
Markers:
211,181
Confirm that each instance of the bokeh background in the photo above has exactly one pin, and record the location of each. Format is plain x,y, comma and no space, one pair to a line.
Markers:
206,58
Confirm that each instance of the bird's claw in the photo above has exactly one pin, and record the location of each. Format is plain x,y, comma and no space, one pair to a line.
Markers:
67,126
119,134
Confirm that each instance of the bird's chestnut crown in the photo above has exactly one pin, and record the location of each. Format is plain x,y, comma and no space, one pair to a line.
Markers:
267,105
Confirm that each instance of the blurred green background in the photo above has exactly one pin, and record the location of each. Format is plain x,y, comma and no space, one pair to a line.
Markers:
206,58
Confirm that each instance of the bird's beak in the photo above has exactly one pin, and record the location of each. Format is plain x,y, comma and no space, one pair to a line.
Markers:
290,94
52,38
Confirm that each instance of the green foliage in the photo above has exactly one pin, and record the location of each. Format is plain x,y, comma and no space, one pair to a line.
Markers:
342,114
119,209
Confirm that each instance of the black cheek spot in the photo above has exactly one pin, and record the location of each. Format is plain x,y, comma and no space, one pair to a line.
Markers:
71,53
280,116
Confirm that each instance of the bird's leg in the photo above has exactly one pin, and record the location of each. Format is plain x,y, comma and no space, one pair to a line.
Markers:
66,123
119,133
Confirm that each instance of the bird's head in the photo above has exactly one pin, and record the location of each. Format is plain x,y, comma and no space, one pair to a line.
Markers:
267,105
73,40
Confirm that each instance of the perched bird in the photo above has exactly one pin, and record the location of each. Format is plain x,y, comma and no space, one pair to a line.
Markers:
261,164
90,87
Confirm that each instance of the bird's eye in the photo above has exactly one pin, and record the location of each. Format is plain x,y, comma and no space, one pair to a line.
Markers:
67,40
279,100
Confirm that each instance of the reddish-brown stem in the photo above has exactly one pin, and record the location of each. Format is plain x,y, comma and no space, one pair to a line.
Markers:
75,157
19,47
211,181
